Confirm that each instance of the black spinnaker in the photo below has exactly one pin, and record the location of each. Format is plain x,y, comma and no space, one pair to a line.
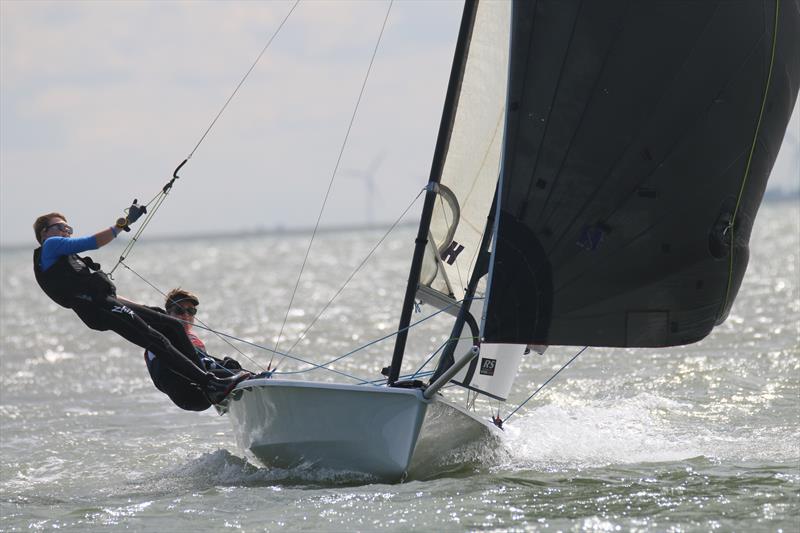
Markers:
640,137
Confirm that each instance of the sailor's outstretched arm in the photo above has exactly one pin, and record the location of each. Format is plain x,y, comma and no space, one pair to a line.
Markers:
106,236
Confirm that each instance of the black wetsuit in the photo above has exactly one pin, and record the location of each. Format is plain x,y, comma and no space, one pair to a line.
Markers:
77,283
182,391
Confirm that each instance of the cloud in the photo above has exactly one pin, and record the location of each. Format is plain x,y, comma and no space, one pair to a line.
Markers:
100,101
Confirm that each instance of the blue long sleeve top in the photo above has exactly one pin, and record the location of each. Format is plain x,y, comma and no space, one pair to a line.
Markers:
55,247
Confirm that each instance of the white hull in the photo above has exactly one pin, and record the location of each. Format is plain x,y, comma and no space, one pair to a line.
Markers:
447,439
353,428
350,428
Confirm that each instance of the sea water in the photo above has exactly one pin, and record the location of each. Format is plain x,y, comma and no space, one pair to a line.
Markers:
691,438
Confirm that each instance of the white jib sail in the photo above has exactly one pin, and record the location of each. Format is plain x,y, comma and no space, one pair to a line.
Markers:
472,163
467,187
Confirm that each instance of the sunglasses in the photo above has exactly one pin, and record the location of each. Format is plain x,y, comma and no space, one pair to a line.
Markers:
61,227
191,311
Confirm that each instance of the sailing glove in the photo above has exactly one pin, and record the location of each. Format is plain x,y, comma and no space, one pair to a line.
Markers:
134,212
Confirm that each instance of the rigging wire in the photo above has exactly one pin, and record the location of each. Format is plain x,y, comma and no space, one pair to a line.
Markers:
261,347
204,325
357,269
503,421
159,198
382,381
155,203
333,175
376,341
418,371
275,34
224,337
448,340
325,365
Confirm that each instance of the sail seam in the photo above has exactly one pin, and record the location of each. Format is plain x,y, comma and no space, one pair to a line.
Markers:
556,90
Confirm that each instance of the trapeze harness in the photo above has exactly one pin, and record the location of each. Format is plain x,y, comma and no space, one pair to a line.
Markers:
71,280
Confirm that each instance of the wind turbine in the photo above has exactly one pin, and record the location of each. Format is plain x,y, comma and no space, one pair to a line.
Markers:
368,177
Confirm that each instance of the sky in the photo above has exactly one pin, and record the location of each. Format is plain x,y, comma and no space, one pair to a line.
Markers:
100,101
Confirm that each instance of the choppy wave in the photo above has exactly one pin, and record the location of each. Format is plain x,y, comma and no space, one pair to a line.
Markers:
698,437
638,429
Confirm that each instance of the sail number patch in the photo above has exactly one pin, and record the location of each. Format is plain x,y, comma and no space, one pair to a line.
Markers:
488,366
450,253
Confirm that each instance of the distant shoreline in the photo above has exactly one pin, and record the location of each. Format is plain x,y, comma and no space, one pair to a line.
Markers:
774,197
250,232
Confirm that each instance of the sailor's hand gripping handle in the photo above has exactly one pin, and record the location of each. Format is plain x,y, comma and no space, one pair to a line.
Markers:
133,213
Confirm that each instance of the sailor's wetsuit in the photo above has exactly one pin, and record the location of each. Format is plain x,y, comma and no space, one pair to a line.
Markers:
183,392
77,283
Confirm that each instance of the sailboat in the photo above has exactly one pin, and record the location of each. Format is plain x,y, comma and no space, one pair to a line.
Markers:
595,179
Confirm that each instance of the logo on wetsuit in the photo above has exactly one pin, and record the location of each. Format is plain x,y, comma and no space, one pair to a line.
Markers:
123,309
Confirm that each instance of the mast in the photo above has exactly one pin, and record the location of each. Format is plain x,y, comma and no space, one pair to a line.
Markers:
442,143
